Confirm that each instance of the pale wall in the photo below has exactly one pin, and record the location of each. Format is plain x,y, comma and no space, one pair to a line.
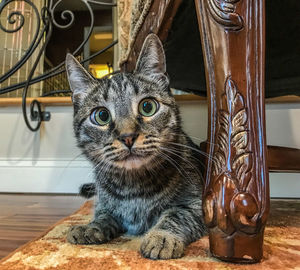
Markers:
48,161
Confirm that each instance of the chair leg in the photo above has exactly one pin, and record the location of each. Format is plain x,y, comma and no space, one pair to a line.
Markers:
236,193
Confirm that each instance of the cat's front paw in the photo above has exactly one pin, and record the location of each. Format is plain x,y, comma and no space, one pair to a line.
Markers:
161,245
86,235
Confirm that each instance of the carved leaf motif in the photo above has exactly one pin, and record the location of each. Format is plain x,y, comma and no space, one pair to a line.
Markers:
232,160
220,156
223,141
232,131
224,119
239,140
239,120
219,163
223,12
241,165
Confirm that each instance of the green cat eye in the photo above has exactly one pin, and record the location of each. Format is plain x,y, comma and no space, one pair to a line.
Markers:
148,107
100,116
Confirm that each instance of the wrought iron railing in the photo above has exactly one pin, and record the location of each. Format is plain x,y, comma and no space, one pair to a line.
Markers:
45,23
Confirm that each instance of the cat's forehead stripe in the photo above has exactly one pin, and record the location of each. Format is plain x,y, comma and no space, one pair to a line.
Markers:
105,90
122,86
116,84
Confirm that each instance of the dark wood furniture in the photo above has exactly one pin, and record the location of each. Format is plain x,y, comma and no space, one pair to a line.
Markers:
236,195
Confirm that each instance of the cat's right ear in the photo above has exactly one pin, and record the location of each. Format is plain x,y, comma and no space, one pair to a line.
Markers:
81,82
151,61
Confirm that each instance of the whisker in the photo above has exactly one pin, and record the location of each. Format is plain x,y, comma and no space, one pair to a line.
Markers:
175,164
192,157
102,167
194,149
186,161
189,163
68,165
190,147
193,137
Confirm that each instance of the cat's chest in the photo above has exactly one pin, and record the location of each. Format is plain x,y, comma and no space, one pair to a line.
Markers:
135,215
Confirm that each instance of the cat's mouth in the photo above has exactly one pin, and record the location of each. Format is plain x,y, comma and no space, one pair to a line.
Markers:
132,161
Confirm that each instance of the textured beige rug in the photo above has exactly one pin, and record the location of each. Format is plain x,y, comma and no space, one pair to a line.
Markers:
52,252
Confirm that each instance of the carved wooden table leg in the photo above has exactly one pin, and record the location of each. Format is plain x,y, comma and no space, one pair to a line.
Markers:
236,194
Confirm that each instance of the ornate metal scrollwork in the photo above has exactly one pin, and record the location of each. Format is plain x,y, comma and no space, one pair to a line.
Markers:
45,23
12,20
229,204
223,12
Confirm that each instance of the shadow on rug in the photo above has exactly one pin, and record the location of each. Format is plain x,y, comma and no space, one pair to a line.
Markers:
52,252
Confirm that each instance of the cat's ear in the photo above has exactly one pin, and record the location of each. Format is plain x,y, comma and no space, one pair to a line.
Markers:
81,82
151,61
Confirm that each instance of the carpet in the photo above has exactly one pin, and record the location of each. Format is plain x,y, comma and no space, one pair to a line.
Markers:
51,251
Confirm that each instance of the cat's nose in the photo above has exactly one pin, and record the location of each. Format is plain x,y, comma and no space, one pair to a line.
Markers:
128,139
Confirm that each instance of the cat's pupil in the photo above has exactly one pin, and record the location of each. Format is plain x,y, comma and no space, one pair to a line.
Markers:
147,107
103,115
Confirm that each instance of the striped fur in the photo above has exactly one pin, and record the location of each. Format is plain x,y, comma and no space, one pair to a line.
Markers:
158,193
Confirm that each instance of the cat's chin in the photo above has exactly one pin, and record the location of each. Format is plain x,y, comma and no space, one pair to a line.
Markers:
132,162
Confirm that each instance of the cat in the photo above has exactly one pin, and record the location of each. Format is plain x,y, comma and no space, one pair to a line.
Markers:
147,173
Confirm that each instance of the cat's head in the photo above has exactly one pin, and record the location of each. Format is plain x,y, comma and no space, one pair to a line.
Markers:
125,121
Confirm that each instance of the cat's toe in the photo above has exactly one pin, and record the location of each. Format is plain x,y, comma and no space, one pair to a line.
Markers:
161,245
84,235
94,235
76,235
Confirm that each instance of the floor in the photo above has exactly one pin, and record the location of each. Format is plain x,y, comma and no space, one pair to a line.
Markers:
281,248
24,217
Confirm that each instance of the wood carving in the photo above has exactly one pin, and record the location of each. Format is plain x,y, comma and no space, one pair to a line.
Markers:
231,169
223,12
236,193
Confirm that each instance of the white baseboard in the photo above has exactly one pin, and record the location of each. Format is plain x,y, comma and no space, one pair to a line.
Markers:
44,176
65,176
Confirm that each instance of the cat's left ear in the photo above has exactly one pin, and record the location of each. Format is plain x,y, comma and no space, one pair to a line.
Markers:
152,60
81,82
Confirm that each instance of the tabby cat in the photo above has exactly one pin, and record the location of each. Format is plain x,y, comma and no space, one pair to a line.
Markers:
147,175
